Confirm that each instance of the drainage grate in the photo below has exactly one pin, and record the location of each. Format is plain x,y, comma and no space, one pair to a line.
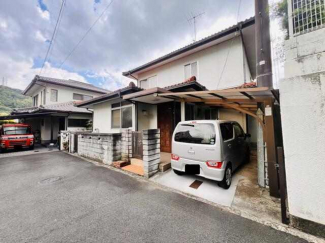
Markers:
196,184
50,180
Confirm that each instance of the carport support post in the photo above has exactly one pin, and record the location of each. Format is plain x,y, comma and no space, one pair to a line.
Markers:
271,150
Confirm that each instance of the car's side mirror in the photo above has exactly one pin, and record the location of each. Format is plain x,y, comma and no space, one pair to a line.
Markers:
247,135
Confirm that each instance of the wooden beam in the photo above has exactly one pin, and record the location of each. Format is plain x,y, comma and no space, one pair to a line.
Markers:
194,96
216,95
216,100
247,95
224,91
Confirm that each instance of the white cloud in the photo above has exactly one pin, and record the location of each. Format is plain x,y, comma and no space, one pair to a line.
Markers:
39,36
44,14
3,24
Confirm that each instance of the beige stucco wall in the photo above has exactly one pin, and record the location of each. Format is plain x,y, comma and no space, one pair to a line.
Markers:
232,115
148,121
211,62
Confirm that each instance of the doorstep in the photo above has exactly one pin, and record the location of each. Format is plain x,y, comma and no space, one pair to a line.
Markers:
136,169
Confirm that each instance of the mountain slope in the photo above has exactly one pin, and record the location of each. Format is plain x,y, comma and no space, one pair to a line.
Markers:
12,98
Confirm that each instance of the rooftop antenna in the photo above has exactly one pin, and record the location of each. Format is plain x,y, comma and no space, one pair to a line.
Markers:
193,18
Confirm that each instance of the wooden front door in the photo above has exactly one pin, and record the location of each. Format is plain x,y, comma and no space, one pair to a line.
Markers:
165,124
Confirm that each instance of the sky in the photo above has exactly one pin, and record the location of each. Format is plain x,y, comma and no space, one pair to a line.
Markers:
129,33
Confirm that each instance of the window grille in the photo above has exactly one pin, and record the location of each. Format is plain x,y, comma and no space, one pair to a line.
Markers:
307,15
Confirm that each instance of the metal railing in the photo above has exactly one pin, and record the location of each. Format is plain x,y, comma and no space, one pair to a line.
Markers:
307,15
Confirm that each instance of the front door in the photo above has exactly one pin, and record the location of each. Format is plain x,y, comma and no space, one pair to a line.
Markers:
165,124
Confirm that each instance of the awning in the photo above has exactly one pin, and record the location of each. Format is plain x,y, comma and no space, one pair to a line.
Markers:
149,96
31,115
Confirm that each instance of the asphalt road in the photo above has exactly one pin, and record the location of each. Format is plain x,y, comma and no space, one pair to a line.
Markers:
55,197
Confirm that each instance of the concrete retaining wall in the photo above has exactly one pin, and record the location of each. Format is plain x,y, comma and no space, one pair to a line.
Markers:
101,147
151,151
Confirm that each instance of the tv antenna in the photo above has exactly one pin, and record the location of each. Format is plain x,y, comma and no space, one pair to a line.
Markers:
193,18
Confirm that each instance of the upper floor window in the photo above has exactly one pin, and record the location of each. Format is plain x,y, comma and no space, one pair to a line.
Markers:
54,95
190,70
35,100
81,97
122,115
307,15
149,82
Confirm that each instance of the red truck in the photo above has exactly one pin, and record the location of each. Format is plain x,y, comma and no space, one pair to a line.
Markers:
16,136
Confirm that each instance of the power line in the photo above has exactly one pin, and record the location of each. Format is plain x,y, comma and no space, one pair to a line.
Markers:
84,36
226,61
51,42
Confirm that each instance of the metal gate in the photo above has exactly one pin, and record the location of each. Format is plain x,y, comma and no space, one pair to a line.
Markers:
137,145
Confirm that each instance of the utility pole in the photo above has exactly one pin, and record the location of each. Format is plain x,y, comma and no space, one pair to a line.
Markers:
263,44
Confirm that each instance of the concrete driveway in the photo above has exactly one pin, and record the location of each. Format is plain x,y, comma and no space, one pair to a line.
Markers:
55,197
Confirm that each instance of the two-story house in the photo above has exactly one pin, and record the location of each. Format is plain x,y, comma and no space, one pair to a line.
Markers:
54,106
221,61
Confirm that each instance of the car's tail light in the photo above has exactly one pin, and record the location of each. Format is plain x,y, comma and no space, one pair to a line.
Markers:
214,164
175,157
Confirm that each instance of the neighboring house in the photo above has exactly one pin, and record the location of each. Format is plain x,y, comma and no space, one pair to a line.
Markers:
302,113
54,106
223,60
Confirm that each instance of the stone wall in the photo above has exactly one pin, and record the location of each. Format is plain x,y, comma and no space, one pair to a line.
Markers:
100,147
126,147
151,151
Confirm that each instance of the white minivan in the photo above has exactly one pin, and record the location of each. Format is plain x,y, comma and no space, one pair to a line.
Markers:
209,148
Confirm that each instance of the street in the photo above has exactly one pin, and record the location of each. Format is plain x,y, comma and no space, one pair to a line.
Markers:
55,197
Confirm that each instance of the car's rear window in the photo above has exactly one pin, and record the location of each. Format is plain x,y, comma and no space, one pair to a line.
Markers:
199,133
16,130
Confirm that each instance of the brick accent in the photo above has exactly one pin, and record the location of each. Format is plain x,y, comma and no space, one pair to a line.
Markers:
101,147
151,151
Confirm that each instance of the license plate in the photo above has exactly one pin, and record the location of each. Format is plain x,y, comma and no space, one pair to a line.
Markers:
192,169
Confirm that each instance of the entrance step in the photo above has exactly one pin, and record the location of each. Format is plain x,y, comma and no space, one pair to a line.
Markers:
164,166
134,169
120,164
137,162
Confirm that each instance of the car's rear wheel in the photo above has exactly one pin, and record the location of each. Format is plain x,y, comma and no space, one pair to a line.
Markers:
227,178
177,172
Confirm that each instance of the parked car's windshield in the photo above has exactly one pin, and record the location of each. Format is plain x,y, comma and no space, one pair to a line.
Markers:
199,133
16,130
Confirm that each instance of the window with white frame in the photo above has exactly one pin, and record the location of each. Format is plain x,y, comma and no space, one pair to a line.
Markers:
122,115
149,82
81,97
190,70
35,100
54,95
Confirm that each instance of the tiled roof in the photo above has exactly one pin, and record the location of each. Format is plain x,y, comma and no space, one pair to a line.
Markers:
59,107
68,83
247,85
130,88
190,81
194,45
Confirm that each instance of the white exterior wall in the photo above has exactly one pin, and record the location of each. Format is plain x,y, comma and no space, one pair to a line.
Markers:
302,95
102,117
148,121
210,63
65,94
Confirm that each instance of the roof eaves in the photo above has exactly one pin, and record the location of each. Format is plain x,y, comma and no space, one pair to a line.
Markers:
201,42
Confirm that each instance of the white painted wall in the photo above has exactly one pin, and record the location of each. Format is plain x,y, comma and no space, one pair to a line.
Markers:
302,95
211,62
148,120
65,94
102,117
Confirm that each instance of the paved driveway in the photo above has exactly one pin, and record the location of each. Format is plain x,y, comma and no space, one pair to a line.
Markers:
55,197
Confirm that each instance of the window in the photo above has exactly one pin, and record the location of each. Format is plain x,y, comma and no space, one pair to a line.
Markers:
41,97
149,82
16,130
122,115
35,100
238,131
54,95
199,133
227,131
78,122
81,97
44,97
190,70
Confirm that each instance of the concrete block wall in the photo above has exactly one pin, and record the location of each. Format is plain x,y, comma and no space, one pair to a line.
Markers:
126,145
151,151
100,147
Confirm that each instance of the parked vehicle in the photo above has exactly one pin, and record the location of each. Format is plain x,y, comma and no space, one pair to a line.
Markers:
208,148
16,136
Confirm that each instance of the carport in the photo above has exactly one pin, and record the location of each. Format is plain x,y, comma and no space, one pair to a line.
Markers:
247,101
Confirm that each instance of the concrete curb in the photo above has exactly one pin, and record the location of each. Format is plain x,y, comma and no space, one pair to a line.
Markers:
277,226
